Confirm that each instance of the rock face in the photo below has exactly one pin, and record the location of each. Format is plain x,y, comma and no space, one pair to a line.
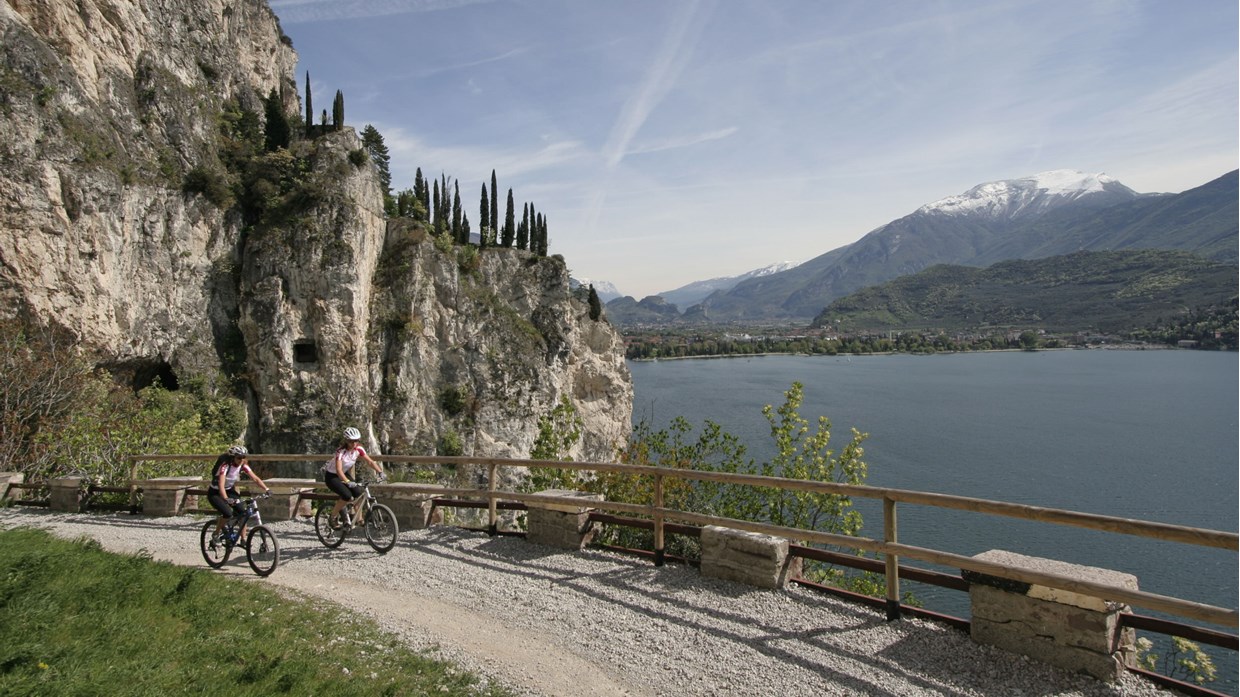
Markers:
320,314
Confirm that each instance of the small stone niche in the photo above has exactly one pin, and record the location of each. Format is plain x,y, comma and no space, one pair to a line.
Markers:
305,352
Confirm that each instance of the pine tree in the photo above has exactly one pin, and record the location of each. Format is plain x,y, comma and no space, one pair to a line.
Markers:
523,232
484,222
338,111
277,130
373,143
494,203
309,108
509,220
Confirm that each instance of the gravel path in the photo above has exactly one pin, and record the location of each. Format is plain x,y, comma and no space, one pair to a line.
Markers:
549,622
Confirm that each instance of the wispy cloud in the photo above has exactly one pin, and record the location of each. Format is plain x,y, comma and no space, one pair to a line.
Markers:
682,142
303,11
678,45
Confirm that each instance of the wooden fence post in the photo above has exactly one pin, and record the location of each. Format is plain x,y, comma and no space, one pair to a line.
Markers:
893,561
492,514
658,520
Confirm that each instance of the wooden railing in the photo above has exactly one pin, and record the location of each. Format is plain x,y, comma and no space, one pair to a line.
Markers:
889,546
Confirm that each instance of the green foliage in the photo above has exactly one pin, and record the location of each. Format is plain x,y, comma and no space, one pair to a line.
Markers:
358,157
801,453
450,444
211,183
1186,661
558,432
278,132
468,260
81,621
60,417
454,400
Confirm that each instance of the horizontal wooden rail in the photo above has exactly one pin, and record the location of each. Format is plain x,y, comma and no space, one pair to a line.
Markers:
887,547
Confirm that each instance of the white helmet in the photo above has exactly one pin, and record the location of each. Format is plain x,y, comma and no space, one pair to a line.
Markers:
238,451
351,433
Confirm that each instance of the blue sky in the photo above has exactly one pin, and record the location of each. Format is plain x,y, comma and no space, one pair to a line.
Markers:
670,141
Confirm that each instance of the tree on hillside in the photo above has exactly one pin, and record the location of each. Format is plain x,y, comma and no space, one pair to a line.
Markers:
338,111
277,130
309,107
372,142
484,211
538,241
456,213
509,220
436,209
422,192
596,305
523,230
494,203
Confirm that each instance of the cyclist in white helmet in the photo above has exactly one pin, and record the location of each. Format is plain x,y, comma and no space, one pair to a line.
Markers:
221,492
338,472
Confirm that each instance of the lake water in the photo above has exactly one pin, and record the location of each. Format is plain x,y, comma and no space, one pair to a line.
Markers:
1151,435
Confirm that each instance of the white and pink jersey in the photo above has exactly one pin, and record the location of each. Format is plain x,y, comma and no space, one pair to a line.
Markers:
347,458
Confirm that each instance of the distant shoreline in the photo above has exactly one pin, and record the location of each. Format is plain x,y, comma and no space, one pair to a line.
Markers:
1106,347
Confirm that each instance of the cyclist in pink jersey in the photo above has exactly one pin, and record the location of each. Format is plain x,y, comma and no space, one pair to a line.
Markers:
338,471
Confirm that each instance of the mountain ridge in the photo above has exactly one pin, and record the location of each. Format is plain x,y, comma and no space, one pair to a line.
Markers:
1051,213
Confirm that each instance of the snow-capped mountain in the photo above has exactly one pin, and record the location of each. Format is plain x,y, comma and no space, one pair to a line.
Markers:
693,293
1046,214
1014,199
606,289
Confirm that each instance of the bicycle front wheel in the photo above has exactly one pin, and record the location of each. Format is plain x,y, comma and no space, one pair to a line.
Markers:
329,536
215,553
262,550
381,528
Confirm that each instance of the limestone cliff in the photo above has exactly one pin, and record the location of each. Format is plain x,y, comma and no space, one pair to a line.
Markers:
117,222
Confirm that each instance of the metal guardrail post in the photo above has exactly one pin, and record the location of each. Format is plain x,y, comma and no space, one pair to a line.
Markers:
893,561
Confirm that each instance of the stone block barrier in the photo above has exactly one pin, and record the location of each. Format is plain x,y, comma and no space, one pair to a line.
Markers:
7,480
167,496
566,525
415,510
1070,630
747,557
67,494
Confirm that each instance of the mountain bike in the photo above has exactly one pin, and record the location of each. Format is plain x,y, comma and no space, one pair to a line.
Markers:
261,548
377,520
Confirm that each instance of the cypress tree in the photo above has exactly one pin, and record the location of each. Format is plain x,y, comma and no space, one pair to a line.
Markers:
541,248
436,215
420,193
509,219
596,305
309,107
484,210
494,202
338,111
456,213
523,232
465,231
277,130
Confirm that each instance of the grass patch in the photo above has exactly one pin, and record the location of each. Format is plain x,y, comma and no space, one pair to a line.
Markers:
78,620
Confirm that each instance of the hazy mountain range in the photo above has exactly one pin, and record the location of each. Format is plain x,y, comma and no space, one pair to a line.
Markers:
1044,215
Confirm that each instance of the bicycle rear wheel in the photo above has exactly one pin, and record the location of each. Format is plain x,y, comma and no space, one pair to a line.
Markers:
381,528
330,537
262,550
215,553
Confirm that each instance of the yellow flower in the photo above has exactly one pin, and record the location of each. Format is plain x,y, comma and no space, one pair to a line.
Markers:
42,665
